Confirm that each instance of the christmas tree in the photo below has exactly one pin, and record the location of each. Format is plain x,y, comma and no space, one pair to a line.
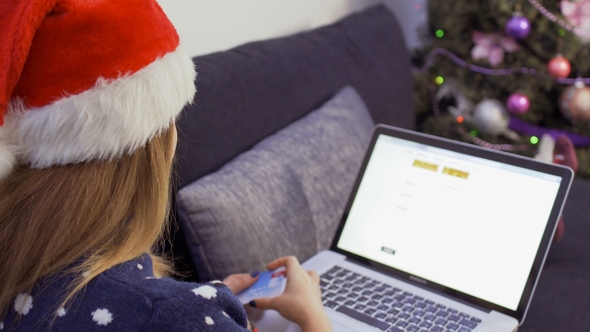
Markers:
501,73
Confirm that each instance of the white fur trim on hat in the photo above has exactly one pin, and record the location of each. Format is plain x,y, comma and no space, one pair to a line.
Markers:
7,160
112,118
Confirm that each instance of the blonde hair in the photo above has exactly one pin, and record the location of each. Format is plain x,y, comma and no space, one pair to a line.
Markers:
102,214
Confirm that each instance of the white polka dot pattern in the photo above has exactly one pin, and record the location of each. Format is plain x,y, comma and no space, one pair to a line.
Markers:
99,307
102,316
206,292
23,304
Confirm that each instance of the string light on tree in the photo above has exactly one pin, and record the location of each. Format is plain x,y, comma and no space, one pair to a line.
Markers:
488,71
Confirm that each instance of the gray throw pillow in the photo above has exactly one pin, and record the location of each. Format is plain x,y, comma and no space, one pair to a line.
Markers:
283,197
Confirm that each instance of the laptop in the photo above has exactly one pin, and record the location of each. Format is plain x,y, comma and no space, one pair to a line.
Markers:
438,235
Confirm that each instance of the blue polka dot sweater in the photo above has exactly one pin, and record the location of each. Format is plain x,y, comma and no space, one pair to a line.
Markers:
127,297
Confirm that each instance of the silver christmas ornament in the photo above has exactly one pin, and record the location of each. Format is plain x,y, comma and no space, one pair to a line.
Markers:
491,118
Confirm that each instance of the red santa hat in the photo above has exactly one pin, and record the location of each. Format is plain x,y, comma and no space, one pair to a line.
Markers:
86,80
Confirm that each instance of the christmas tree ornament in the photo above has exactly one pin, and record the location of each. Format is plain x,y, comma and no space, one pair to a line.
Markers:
456,102
575,29
574,103
577,13
518,27
518,103
559,67
491,47
490,116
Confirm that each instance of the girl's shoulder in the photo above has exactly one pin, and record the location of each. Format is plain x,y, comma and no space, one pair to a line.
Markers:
128,297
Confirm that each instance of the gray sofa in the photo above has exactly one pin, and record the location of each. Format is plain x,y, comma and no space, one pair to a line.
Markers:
252,93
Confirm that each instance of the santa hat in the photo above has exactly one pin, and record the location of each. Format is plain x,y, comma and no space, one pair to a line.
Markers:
86,80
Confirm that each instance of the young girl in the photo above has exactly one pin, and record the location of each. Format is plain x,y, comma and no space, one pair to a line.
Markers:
89,92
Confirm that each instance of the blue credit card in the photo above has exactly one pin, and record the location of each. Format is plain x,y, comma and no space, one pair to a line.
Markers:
269,284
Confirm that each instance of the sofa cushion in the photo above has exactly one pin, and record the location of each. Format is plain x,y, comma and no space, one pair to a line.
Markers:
283,197
250,92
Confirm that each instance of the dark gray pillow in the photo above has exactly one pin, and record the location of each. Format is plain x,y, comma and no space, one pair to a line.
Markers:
283,197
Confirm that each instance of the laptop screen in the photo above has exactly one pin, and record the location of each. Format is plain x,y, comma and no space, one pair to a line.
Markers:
464,222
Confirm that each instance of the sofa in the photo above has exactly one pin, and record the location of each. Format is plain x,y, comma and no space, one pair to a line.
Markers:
281,116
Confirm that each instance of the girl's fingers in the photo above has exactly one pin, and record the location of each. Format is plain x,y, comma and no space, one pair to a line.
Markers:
315,277
288,262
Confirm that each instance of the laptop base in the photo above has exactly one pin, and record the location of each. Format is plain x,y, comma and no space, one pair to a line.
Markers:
272,321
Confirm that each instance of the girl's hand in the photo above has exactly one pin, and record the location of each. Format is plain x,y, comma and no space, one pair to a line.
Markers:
239,282
301,302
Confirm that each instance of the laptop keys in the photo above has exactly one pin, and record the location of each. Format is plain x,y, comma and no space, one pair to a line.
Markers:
383,326
388,308
440,321
452,326
330,304
468,323
395,329
454,318
425,324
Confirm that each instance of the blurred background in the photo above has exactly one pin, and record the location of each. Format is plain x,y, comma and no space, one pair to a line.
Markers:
498,73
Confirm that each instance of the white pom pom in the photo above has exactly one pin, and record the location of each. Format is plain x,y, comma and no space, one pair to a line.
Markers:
7,160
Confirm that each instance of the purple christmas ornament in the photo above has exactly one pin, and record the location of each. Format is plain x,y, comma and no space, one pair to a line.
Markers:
518,27
518,103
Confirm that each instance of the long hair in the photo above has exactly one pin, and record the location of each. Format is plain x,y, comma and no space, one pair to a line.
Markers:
101,213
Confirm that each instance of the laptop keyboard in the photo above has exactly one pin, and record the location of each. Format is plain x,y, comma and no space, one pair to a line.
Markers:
389,308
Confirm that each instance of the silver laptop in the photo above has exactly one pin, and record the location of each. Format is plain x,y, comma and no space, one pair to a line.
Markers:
438,236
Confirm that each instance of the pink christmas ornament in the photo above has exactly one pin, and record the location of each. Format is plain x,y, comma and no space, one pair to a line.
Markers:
491,47
577,13
518,103
559,67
